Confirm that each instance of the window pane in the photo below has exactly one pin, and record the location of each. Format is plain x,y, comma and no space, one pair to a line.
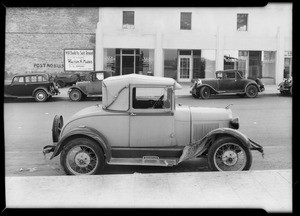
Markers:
208,63
185,20
21,79
33,78
128,17
151,98
170,63
185,52
242,22
27,79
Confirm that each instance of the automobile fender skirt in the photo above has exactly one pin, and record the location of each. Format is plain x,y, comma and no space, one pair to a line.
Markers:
41,88
75,87
202,85
86,132
198,147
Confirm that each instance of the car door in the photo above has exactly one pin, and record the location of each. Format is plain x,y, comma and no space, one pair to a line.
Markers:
150,125
228,82
18,86
95,85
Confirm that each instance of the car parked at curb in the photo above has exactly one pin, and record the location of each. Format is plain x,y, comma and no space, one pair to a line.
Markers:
92,87
139,124
227,81
40,86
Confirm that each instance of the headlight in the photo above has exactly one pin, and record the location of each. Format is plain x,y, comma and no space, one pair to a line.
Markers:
234,123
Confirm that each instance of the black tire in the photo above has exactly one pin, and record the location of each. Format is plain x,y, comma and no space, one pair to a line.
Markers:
205,92
82,156
197,95
226,154
57,125
40,96
60,83
75,95
251,91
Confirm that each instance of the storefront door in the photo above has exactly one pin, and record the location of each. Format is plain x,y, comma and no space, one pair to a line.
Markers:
184,68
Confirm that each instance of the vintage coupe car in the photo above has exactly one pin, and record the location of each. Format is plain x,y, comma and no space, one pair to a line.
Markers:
40,86
139,124
227,81
92,87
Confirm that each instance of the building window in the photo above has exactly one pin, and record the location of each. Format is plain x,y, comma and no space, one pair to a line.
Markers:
186,21
128,19
242,22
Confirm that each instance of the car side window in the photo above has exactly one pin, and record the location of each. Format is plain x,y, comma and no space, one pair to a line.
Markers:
230,75
33,79
18,80
151,98
27,79
40,78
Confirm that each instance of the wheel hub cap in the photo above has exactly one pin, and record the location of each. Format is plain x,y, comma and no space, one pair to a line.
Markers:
82,159
229,158
40,96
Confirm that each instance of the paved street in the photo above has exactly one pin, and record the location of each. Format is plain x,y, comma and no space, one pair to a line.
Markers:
265,119
34,181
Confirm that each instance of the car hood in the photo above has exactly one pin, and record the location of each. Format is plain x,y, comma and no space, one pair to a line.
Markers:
210,114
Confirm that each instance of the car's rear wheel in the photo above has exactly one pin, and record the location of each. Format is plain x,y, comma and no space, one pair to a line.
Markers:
82,156
251,91
40,96
60,83
228,154
75,95
205,92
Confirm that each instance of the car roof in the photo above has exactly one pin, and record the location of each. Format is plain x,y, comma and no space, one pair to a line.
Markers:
115,90
132,79
31,74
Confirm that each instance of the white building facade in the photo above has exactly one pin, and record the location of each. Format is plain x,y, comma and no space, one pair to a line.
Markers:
188,43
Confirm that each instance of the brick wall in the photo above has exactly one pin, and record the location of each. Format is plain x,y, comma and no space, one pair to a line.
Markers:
36,37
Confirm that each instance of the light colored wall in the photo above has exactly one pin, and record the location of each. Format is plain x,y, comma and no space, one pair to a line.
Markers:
269,28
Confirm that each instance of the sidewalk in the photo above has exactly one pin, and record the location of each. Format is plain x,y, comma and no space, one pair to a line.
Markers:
270,190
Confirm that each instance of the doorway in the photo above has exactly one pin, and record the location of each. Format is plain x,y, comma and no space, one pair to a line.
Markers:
184,68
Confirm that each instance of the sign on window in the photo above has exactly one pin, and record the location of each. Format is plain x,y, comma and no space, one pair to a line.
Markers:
79,60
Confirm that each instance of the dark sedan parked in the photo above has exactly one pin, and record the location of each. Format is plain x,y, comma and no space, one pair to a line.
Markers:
40,86
227,81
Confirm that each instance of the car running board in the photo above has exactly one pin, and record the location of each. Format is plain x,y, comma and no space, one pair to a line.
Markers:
145,161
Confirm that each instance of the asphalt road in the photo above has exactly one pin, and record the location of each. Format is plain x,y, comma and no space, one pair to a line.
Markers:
27,128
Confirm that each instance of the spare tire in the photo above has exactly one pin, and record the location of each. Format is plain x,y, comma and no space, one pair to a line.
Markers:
57,125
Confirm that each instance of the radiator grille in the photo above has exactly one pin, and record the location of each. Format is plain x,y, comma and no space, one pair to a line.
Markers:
200,130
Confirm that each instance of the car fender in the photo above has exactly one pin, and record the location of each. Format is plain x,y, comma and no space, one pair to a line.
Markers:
198,147
41,88
211,88
78,88
84,132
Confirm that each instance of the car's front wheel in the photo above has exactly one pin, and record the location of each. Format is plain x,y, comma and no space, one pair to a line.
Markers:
251,91
82,156
75,95
40,96
204,92
228,154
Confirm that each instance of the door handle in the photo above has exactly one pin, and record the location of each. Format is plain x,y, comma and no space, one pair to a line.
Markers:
132,114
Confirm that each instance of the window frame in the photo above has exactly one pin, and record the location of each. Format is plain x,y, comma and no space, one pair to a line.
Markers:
183,25
247,22
128,24
167,111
